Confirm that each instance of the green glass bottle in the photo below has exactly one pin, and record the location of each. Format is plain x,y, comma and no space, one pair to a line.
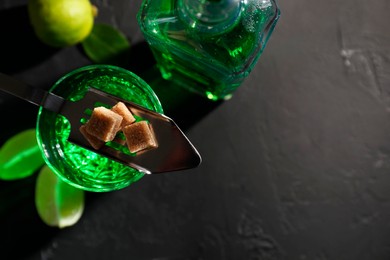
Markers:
207,46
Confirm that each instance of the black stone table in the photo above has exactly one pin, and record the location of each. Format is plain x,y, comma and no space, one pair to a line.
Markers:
295,166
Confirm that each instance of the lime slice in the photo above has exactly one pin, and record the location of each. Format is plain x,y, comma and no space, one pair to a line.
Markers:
20,156
58,204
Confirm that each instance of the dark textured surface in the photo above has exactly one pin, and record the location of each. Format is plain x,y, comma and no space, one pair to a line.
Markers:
296,165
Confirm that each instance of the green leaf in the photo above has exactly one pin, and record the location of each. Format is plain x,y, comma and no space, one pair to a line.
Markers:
58,204
106,44
20,156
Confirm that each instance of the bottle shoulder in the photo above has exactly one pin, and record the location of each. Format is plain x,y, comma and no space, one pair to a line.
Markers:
235,46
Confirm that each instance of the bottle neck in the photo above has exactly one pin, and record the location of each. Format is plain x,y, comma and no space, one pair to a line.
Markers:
211,16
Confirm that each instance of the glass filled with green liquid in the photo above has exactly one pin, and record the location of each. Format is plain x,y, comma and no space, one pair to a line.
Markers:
77,166
207,46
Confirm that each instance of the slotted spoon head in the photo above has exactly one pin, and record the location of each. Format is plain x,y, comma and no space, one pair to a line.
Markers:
174,151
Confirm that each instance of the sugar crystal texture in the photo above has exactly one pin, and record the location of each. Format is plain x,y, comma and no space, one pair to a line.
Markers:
103,124
139,136
121,109
93,141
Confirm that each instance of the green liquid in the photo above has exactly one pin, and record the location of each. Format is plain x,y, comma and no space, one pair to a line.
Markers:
211,60
78,166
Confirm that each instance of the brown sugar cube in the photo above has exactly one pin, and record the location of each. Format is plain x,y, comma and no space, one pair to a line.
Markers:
121,109
103,124
94,142
139,136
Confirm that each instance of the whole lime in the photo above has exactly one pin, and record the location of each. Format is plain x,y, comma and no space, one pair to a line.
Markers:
61,23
